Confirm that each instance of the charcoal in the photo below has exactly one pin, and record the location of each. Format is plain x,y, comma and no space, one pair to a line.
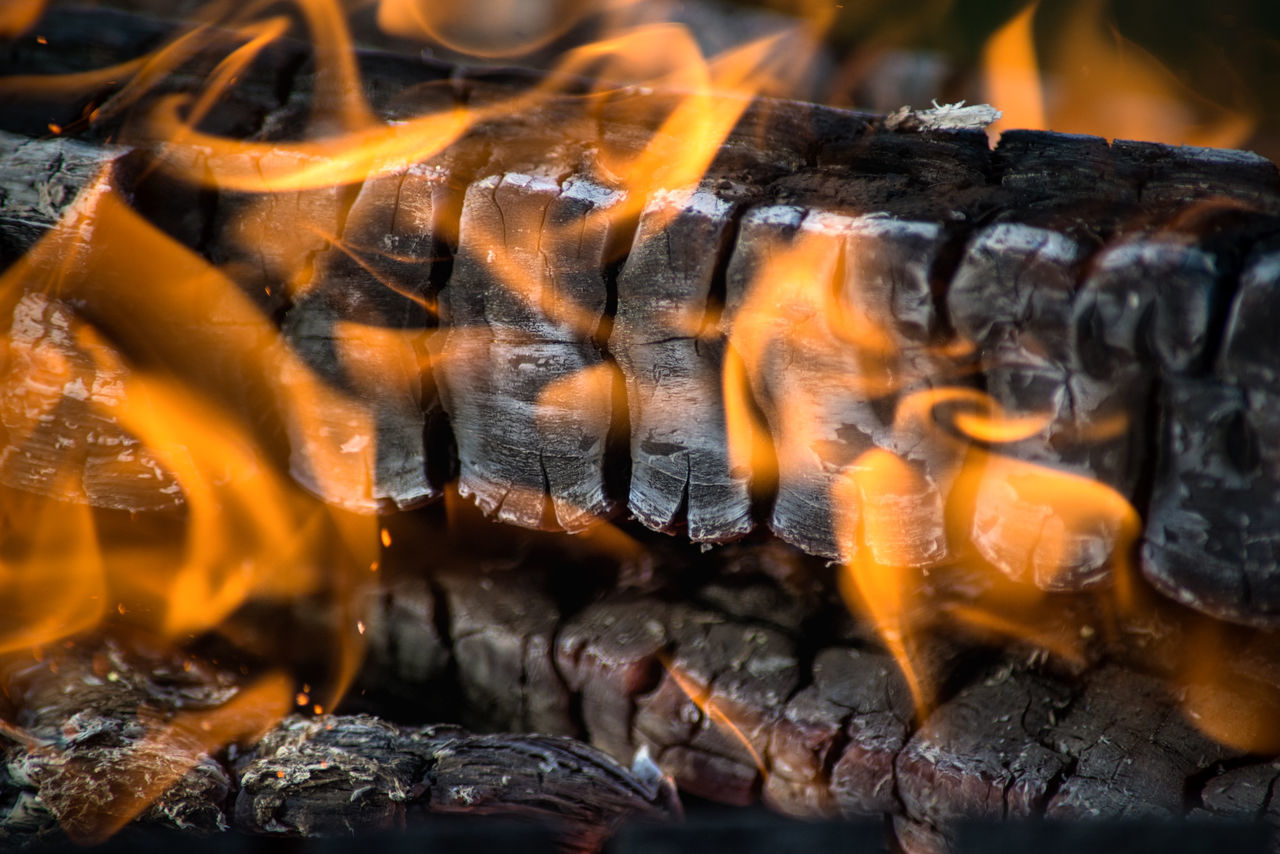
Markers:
1134,751
362,325
503,633
1210,540
671,354
332,776
1173,175
41,181
107,732
709,720
1044,167
827,394
527,390
1093,284
64,440
833,749
979,755
610,653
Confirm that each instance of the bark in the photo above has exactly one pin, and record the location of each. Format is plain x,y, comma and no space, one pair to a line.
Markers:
1119,292
102,738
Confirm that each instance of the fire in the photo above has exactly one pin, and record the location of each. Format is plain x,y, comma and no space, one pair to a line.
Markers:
140,360
143,363
1097,82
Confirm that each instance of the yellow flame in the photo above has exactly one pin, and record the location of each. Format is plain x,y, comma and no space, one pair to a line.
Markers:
52,580
879,553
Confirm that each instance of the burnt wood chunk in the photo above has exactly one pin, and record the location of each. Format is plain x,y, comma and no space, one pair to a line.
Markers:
1016,744
1173,175
526,387
338,775
1134,750
103,736
59,408
611,653
833,749
93,752
737,697
671,353
980,754
1045,168
709,720
362,325
832,318
1011,298
1213,533
503,633
41,181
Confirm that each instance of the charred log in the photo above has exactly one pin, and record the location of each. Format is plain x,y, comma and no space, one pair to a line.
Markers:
723,678
106,737
1116,292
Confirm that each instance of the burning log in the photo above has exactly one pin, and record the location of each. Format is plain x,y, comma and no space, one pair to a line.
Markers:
724,679
803,330
949,368
112,736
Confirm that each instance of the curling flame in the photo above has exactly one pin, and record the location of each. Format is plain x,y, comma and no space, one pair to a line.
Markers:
875,491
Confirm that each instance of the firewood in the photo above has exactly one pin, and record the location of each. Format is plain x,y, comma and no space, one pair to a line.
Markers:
725,680
107,731
1116,291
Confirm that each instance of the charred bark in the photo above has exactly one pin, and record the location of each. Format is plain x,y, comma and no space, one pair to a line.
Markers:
102,741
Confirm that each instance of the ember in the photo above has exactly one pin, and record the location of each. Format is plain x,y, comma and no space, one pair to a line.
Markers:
290,321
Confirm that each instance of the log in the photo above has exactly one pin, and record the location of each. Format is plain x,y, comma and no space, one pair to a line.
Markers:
105,735
1113,291
738,694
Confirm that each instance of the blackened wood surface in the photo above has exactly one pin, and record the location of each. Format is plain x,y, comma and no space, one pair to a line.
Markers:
99,743
744,687
1118,292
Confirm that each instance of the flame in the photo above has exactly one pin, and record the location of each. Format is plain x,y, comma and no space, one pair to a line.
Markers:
51,575
142,353
1012,73
134,326
700,695
870,499
136,369
18,17
1099,83
1228,690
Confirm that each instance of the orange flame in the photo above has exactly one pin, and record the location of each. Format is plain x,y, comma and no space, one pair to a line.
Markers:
1099,83
700,696
1229,691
